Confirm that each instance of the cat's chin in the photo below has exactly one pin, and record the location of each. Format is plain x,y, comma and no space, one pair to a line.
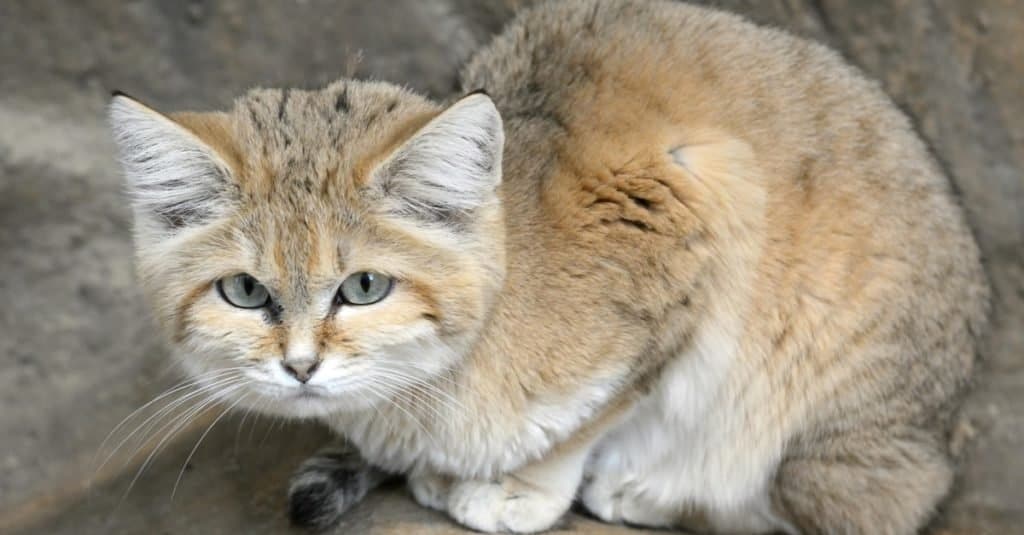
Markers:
302,401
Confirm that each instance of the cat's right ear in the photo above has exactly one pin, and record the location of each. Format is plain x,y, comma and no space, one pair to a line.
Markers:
175,179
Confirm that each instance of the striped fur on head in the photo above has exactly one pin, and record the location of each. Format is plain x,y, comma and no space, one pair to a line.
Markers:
301,189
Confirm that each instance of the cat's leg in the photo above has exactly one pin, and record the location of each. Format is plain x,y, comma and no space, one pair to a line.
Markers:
328,484
647,488
429,489
868,483
615,498
528,500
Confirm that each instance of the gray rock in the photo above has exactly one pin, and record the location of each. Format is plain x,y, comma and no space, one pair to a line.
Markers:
81,354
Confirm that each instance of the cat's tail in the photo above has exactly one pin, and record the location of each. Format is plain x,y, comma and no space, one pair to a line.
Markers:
328,484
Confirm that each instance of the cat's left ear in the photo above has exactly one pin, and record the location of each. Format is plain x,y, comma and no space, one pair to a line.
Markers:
449,167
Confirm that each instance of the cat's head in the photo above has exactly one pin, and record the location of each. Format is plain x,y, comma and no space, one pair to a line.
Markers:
314,251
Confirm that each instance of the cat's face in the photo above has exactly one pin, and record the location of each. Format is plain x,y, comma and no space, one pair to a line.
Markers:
315,252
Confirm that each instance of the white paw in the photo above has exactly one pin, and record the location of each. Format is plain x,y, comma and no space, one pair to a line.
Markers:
602,500
506,506
430,490
616,502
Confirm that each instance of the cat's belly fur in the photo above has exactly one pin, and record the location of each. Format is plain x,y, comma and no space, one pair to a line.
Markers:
691,447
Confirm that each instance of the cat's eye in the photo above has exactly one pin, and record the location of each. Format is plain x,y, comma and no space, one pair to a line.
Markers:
243,291
364,288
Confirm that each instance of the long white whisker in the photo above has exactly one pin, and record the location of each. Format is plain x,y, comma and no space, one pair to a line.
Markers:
425,381
270,428
200,441
183,421
223,381
444,375
241,424
376,381
426,388
176,388
208,395
417,395
252,426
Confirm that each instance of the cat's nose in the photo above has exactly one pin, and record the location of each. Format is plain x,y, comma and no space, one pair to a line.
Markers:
301,369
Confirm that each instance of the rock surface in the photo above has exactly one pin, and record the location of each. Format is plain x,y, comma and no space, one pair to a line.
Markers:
80,354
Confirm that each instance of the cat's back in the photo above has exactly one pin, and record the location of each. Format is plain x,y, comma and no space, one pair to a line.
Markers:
582,71
596,86
852,209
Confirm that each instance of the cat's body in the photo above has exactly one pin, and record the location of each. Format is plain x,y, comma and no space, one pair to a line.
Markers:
721,282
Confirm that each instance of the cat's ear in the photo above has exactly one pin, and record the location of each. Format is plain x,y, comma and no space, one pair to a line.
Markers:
174,178
449,167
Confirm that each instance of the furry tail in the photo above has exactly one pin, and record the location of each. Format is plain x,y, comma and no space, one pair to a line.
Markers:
328,484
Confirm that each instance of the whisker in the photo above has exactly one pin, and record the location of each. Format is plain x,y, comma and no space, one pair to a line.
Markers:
209,395
241,424
390,366
252,427
200,441
432,391
446,375
416,421
183,421
176,388
421,398
270,427
164,411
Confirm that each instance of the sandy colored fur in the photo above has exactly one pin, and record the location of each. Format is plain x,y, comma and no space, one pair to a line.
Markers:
720,264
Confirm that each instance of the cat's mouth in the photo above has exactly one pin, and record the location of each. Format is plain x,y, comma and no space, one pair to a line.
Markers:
303,391
309,392
296,391
296,401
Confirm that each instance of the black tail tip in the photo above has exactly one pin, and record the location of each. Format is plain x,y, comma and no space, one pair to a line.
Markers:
315,507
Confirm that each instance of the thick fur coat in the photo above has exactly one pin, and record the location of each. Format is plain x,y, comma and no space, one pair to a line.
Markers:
687,270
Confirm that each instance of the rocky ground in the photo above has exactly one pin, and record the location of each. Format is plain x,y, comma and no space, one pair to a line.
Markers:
79,354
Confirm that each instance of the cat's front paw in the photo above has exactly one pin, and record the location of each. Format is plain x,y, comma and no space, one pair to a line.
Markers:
328,484
506,506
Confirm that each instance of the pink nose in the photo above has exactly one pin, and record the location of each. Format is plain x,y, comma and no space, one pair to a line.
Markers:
301,370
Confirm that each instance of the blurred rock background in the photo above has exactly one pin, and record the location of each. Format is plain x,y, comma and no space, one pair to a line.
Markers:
78,354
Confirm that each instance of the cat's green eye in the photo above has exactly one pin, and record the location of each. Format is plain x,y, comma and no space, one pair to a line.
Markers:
364,288
243,291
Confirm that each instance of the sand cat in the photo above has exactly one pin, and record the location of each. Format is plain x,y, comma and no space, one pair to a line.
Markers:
676,267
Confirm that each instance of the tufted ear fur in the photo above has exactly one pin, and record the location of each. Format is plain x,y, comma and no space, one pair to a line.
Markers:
448,168
175,179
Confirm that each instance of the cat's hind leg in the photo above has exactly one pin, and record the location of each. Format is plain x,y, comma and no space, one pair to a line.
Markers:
885,483
616,500
328,484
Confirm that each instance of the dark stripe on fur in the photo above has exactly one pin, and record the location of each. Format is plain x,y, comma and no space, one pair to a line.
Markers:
327,485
